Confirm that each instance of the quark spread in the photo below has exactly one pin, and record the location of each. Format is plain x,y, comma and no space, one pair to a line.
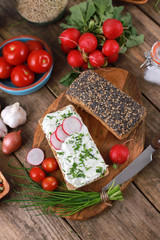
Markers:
79,157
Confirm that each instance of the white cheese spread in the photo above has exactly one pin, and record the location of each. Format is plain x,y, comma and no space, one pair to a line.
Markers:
79,157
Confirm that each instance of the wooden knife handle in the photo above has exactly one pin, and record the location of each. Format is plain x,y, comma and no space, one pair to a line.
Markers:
156,143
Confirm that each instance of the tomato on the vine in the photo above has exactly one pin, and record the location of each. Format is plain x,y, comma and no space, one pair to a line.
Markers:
39,61
50,164
15,52
49,183
5,68
22,76
34,45
37,174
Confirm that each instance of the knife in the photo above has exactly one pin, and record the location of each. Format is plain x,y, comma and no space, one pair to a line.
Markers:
137,165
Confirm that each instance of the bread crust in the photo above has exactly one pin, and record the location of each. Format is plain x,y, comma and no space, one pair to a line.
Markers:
69,185
87,109
117,111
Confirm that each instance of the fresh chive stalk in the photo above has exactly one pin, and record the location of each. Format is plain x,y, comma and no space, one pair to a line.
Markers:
61,201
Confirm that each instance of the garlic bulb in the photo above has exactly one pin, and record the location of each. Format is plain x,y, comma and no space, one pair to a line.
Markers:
3,129
14,115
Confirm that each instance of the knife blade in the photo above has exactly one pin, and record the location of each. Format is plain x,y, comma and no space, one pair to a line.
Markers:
136,166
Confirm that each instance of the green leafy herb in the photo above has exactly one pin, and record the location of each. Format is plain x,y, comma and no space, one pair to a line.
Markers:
75,172
156,6
114,166
100,170
50,117
66,115
69,78
60,153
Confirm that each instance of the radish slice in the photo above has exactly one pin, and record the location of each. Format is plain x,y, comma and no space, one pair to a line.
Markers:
35,156
55,142
71,125
60,134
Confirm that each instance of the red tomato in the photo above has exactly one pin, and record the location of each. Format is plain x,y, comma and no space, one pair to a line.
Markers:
119,154
15,52
34,45
5,68
39,61
50,164
49,183
22,76
36,174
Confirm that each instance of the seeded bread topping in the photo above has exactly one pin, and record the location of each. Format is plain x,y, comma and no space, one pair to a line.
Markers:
114,108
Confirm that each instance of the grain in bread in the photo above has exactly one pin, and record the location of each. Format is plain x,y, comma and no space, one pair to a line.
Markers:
117,111
79,159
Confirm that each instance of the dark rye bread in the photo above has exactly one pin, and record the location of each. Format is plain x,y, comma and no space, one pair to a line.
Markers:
117,111
68,185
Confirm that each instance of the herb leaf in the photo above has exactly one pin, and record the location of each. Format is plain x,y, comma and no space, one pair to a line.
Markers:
69,78
134,40
90,10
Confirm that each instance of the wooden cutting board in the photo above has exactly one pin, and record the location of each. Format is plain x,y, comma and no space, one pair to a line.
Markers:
102,137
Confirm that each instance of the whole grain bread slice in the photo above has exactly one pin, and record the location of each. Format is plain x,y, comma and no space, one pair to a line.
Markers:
69,185
117,111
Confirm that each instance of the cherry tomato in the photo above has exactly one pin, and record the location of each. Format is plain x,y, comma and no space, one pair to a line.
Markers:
49,183
5,68
50,164
119,154
37,174
75,58
39,61
87,42
22,76
69,37
34,45
15,52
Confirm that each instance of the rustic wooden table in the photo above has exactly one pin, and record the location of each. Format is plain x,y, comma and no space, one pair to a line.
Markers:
137,217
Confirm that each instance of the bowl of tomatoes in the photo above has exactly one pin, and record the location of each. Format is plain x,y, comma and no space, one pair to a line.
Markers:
26,64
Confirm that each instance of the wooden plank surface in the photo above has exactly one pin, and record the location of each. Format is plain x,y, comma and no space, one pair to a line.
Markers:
138,217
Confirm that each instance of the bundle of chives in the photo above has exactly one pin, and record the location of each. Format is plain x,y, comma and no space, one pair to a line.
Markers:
62,201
